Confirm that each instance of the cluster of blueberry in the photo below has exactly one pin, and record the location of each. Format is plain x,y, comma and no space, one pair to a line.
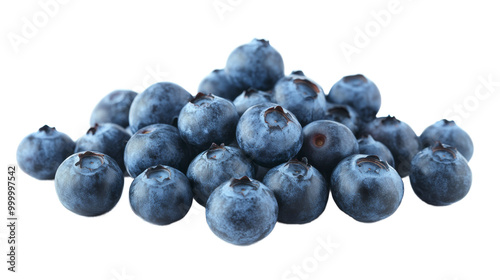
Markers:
287,146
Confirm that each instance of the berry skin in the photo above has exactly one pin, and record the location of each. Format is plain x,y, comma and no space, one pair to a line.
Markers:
269,134
113,108
207,119
368,146
447,132
358,92
440,175
242,211
300,189
153,145
218,83
366,188
301,96
106,138
89,184
160,195
256,64
159,103
399,137
326,143
249,98
343,114
215,166
40,153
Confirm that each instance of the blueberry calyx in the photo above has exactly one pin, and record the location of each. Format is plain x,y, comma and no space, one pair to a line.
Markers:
90,160
202,99
448,122
443,153
276,117
159,172
298,168
93,129
298,73
215,151
308,84
248,92
371,163
390,120
340,111
47,129
243,185
263,42
355,79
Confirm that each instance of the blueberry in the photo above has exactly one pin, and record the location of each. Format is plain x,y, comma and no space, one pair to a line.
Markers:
326,143
368,146
215,166
360,93
300,189
153,145
207,119
159,103
343,114
160,195
399,137
106,138
89,184
440,175
242,211
256,64
448,132
269,134
113,108
218,83
40,153
301,96
366,188
249,98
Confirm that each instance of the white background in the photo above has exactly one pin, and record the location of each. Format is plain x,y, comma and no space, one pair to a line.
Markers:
428,58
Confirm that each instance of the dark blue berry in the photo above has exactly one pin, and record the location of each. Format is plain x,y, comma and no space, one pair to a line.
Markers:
40,153
366,188
89,184
242,211
214,166
161,195
440,175
300,189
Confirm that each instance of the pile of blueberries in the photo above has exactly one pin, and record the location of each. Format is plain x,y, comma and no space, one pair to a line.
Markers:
254,147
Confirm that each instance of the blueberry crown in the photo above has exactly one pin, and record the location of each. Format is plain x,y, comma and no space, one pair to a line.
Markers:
373,160
355,78
243,185
340,111
93,129
390,120
448,122
200,97
277,109
47,129
215,151
87,154
308,83
151,170
438,146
